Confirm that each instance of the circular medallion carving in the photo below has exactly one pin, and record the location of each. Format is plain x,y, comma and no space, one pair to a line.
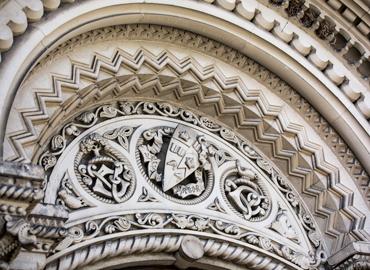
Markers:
176,161
245,194
103,171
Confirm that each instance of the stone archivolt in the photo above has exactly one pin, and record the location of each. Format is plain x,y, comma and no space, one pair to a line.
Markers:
225,102
145,75
259,12
220,51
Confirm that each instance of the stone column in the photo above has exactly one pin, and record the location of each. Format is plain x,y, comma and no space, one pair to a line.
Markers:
26,233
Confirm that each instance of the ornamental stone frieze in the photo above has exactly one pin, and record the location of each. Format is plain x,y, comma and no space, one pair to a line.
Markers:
184,134
154,166
270,113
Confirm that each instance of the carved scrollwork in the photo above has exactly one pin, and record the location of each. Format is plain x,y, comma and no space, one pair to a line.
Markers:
245,194
121,135
177,157
103,171
93,229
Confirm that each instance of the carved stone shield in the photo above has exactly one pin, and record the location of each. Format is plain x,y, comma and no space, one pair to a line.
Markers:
182,157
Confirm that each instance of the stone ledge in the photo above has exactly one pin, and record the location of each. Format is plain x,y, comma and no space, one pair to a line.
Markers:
21,170
353,256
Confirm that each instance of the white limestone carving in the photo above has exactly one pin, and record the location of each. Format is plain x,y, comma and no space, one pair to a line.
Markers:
245,188
106,173
245,194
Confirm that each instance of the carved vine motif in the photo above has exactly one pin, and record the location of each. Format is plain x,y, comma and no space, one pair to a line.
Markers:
121,135
177,161
101,169
102,113
245,194
161,221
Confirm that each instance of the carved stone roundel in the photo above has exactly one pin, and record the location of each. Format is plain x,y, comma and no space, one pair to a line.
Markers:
103,170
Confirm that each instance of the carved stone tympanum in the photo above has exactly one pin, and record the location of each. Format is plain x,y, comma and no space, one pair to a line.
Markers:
142,166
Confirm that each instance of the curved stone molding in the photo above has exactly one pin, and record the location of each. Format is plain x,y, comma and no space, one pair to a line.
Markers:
240,61
355,89
128,108
164,233
144,246
319,19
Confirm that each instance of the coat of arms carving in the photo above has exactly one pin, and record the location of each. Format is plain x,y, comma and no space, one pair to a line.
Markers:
177,161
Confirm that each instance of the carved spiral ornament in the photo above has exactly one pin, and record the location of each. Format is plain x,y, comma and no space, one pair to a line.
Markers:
245,194
103,170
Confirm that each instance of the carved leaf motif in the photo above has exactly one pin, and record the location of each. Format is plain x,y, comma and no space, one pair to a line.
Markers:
48,161
122,224
86,117
110,228
183,221
91,226
201,224
252,239
57,142
228,135
108,112
249,151
315,238
227,228
126,107
209,124
121,134
151,219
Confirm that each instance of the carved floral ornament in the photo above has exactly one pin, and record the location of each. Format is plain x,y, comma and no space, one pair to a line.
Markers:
169,154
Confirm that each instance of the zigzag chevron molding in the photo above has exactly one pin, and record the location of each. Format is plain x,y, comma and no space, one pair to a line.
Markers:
227,54
164,75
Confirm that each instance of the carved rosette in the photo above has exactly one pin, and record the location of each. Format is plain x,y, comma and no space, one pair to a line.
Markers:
104,171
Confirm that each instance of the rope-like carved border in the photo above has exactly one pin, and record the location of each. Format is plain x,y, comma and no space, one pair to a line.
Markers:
164,243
